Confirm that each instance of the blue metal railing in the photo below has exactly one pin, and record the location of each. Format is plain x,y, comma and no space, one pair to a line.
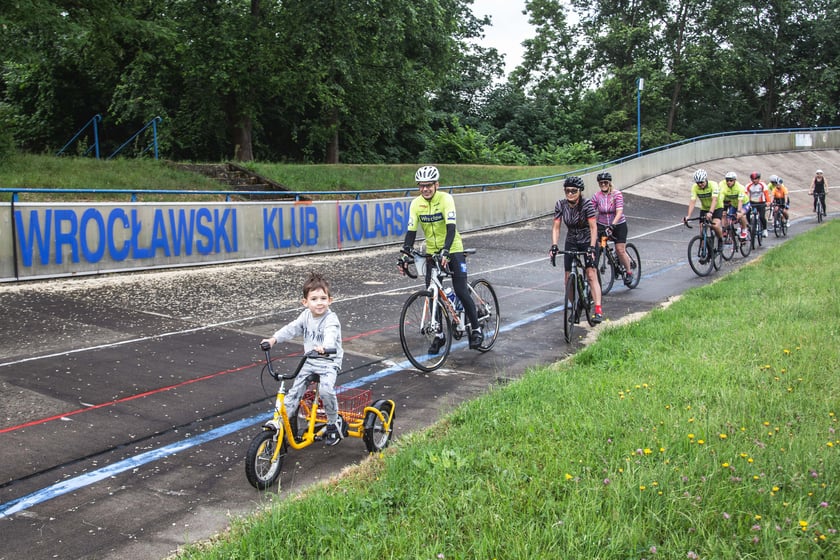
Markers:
299,195
93,122
154,143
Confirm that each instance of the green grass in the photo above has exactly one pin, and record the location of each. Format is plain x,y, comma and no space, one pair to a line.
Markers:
43,171
705,430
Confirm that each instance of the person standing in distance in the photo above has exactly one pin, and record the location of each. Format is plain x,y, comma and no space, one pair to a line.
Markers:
579,216
434,212
819,187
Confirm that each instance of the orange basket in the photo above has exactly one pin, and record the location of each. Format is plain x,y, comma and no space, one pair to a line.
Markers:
351,403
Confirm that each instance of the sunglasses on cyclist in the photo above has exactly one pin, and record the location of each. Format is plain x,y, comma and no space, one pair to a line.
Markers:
603,182
422,186
571,191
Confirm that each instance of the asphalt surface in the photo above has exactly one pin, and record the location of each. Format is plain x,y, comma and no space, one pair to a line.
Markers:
128,401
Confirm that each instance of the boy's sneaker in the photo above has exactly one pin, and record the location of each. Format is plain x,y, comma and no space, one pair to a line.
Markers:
437,344
333,435
476,338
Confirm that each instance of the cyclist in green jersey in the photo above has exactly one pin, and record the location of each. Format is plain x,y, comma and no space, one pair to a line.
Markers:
735,201
434,212
711,203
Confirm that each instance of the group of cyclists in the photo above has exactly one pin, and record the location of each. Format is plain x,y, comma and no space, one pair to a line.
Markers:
589,219
734,200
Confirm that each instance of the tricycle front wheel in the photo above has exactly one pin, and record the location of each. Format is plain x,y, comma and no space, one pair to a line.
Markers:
259,469
376,436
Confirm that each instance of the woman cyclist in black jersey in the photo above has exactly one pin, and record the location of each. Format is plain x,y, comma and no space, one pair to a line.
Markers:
579,216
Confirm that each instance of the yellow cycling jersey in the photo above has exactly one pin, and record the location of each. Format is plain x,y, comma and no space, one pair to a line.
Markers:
433,216
732,194
706,194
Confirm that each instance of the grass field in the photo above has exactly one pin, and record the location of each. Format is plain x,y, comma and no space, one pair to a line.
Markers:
140,176
705,430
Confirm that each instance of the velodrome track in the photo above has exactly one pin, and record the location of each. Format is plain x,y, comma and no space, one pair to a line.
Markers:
128,401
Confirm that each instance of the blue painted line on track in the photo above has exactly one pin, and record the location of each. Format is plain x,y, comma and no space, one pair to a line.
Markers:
73,484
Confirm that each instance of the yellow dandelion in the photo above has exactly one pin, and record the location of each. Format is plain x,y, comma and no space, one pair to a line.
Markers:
830,444
654,484
787,351
725,465
750,460
690,436
700,442
775,489
757,517
722,436
647,451
755,477
784,370
766,423
667,407
804,525
569,477
642,488
690,420
743,455
662,450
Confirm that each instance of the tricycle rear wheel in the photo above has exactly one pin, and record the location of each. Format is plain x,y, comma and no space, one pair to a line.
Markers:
376,437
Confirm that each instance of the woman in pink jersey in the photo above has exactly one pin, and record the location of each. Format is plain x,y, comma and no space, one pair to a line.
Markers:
609,203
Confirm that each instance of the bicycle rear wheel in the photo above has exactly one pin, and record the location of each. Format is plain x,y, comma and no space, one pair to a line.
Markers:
606,271
699,257
635,265
487,308
571,307
417,332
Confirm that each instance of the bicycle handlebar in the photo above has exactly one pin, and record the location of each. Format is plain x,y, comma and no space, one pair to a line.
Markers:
266,347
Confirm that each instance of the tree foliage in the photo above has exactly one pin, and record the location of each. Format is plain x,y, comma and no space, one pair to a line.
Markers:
372,81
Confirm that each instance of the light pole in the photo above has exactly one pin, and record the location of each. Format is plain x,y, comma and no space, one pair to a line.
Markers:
640,85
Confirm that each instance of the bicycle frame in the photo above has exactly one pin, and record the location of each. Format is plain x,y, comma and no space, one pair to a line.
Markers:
316,421
437,293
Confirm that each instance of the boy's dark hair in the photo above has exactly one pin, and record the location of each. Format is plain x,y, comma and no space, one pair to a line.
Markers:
315,282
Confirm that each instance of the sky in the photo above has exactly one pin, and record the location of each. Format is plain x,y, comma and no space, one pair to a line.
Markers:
509,28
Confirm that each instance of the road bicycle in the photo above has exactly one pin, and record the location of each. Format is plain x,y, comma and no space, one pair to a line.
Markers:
372,422
756,231
610,266
702,255
780,225
819,205
732,241
435,311
578,297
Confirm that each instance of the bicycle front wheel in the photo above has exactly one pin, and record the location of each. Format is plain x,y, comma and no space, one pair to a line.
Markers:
418,332
699,257
729,243
606,272
778,223
487,309
745,245
820,211
259,470
635,265
571,307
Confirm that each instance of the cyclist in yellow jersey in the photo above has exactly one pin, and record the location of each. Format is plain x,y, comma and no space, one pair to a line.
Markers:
711,203
781,197
434,212
735,201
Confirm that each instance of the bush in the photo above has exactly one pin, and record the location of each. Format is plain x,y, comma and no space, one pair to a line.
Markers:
567,154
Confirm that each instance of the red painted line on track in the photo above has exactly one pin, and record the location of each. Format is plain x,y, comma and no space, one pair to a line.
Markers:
165,389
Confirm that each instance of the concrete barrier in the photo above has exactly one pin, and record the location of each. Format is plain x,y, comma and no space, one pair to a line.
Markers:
46,240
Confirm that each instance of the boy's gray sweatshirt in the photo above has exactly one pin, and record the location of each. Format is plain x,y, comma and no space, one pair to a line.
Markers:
323,331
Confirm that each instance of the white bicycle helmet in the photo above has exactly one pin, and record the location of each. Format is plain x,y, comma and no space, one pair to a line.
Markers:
774,179
731,175
427,174
700,175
